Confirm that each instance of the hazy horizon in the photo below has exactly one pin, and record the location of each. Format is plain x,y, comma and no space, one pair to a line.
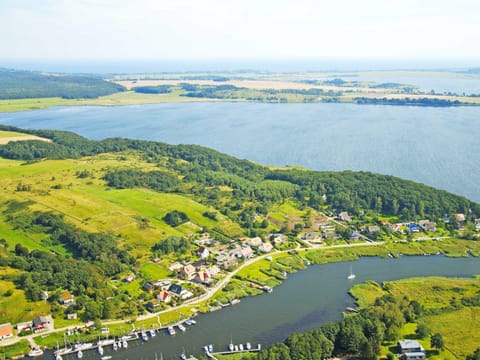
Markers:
235,65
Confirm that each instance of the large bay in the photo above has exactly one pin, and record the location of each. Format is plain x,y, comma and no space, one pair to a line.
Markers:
436,146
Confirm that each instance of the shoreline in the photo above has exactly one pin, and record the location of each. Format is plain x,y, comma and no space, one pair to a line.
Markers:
349,254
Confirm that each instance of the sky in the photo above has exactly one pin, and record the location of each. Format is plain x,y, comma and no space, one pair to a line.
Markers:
239,29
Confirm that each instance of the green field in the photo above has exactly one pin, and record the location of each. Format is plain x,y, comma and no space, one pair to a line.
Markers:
444,312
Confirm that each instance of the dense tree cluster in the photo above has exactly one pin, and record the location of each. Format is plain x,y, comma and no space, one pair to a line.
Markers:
172,244
130,178
175,218
159,89
408,101
15,84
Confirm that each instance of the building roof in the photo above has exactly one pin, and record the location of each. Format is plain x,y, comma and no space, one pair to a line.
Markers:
409,344
176,289
6,329
40,320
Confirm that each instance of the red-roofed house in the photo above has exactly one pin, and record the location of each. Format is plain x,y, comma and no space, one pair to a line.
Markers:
203,277
6,331
164,296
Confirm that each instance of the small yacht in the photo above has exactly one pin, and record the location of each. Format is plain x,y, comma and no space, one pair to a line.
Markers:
235,348
152,332
144,336
171,330
181,327
115,346
125,344
248,346
351,276
210,348
100,349
79,354
240,347
35,352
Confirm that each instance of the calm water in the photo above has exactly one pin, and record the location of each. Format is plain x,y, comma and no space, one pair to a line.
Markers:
305,301
436,146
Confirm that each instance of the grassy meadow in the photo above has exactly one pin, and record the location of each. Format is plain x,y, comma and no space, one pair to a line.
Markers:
443,310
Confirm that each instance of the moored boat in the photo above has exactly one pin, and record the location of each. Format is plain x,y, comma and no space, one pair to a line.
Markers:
152,333
79,354
181,327
144,336
125,343
100,349
171,331
240,347
248,346
35,352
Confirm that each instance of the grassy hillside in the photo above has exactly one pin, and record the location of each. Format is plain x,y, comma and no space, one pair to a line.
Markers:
15,84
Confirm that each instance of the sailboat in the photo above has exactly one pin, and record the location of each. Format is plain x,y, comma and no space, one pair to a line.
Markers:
230,346
352,275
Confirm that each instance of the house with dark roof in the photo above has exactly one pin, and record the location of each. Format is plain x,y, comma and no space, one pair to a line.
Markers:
40,322
175,289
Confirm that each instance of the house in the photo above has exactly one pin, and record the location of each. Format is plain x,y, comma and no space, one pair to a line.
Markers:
214,270
203,277
164,296
235,252
72,316
226,262
175,289
24,326
66,298
266,247
278,239
6,331
477,224
203,252
198,265
413,228
411,349
355,235
246,252
148,287
153,304
129,278
372,229
175,267
460,218
187,271
343,216
427,225
255,242
40,322
186,295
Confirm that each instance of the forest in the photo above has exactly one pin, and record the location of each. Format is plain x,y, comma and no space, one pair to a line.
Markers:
16,84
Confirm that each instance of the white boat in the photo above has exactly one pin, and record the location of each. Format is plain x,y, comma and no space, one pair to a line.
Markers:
248,346
106,357
115,346
240,347
235,348
83,346
210,348
193,321
171,330
152,333
125,344
182,355
230,346
205,348
35,352
100,349
58,357
351,276
144,336
181,327
79,354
